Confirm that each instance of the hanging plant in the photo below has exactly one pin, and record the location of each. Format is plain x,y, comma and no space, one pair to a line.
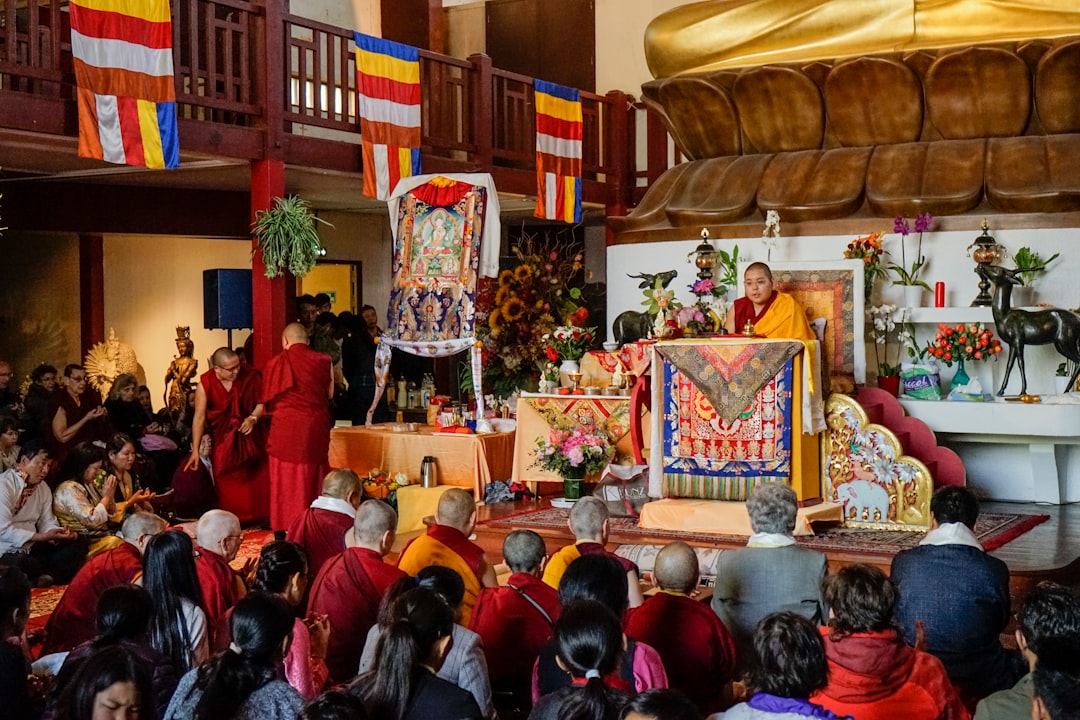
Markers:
287,238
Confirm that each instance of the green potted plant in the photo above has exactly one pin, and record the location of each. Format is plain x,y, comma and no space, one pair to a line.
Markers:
1031,266
287,238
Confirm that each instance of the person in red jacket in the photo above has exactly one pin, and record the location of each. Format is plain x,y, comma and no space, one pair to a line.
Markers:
694,644
873,673
516,620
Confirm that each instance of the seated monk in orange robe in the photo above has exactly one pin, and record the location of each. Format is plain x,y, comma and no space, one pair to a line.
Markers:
773,314
296,392
351,585
74,621
447,544
515,621
217,541
321,529
695,646
589,523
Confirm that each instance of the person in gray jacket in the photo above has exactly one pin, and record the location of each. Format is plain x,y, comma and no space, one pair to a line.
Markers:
771,574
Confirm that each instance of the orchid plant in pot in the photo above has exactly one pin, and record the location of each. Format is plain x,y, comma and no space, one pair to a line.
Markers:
908,276
888,326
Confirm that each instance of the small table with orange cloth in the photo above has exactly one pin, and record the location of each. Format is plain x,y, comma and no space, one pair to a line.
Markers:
469,461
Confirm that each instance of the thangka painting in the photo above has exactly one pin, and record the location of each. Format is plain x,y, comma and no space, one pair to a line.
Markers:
864,469
436,258
726,422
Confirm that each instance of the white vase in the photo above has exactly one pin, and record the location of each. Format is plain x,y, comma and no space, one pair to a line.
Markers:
914,296
565,368
1061,384
1022,296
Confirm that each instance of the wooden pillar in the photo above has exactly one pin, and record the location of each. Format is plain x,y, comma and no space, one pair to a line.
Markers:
483,108
91,290
619,152
271,300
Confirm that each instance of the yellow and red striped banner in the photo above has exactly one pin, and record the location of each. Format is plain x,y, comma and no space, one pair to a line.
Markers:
122,51
558,152
388,88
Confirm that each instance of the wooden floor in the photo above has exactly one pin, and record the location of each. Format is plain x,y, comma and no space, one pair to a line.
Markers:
1050,551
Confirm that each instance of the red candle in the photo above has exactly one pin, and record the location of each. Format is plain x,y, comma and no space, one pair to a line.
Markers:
939,294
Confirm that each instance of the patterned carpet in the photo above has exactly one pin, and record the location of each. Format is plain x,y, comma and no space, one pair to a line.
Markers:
992,529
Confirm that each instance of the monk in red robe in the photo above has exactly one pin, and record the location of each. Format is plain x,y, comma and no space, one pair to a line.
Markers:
217,540
772,314
516,620
74,621
351,585
321,529
695,646
74,415
447,543
299,385
227,407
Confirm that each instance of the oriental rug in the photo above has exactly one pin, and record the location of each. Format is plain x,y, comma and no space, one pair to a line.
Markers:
992,529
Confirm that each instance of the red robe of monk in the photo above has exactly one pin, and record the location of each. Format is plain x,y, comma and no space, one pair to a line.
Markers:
296,395
74,621
74,411
695,646
514,629
448,547
320,530
238,462
348,590
221,587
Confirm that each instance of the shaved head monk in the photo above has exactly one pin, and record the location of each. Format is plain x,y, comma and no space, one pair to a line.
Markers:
217,540
351,585
772,314
299,385
447,543
697,649
228,408
321,529
73,622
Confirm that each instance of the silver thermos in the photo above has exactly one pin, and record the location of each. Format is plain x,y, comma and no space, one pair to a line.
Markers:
427,472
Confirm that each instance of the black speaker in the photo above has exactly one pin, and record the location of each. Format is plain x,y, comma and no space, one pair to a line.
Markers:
226,299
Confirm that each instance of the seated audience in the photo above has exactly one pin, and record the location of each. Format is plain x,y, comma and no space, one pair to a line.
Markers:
447,543
14,665
789,666
110,683
282,571
321,529
589,523
74,415
179,626
126,413
30,537
514,622
242,682
589,643
72,621
86,497
465,665
350,587
601,578
696,648
771,574
403,682
218,539
968,609
123,619
334,705
1048,611
131,495
660,705
873,673
10,404
9,442
1056,679
36,404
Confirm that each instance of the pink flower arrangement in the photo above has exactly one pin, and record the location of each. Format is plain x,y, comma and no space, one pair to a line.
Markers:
581,451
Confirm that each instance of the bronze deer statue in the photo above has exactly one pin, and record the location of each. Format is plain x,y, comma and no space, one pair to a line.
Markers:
1020,328
632,325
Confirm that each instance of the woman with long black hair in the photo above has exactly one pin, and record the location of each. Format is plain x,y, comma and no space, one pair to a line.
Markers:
178,628
412,648
241,682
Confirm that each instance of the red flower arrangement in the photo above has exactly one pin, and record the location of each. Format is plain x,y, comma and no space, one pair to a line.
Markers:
963,342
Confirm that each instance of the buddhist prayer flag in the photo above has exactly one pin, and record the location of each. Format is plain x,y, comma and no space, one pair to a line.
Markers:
558,152
122,51
388,86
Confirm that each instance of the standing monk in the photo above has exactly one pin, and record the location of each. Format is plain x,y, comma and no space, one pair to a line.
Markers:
299,385
227,407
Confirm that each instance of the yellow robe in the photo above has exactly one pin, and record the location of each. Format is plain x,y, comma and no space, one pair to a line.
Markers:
784,319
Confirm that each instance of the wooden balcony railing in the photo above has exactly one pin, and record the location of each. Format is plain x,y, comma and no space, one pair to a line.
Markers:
472,113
